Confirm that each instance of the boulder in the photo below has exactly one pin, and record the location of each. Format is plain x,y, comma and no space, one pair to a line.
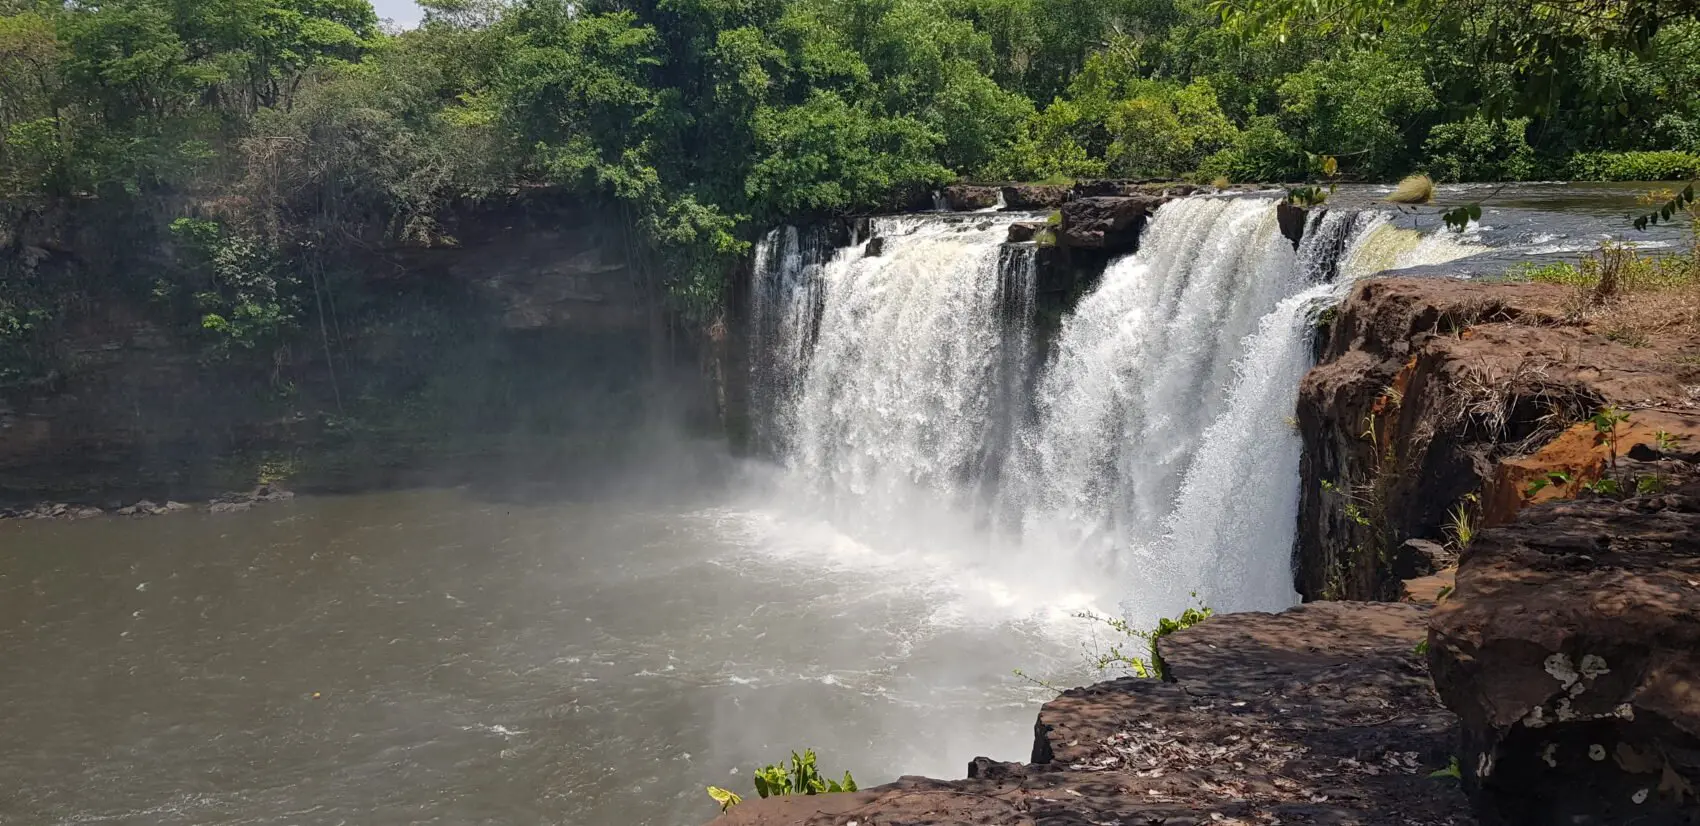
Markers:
1103,222
1419,558
969,198
875,248
1571,652
1025,231
1034,196
1291,219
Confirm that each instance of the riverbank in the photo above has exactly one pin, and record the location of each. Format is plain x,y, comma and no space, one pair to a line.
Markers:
1495,448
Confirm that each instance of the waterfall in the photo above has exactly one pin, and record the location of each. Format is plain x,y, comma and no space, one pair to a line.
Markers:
891,365
1156,444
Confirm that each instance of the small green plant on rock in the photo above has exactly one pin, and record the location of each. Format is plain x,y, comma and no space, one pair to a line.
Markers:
1141,667
1666,442
1451,771
1462,523
1605,424
776,780
1604,487
1554,478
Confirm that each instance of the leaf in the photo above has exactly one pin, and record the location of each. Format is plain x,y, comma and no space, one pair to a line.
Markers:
1451,771
725,797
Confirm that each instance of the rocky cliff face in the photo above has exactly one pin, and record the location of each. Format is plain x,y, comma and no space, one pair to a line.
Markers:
1435,398
474,338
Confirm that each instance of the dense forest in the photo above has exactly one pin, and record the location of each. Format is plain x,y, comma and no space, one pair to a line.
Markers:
258,140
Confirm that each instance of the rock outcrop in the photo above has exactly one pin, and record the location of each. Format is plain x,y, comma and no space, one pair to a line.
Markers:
1035,196
1571,652
1107,224
970,197
1322,714
1434,397
1024,231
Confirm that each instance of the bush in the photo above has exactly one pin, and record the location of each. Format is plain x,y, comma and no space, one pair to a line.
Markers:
1477,149
1260,152
1635,166
1166,131
1357,108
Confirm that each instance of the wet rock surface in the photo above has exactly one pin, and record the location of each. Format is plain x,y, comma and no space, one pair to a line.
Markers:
1322,714
1024,231
1571,652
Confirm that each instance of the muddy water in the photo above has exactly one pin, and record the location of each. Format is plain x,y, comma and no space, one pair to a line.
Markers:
450,657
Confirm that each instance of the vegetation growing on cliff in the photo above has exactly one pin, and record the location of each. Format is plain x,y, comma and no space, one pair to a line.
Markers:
299,135
777,780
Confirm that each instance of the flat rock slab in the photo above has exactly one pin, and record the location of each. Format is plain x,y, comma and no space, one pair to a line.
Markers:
1571,652
1319,715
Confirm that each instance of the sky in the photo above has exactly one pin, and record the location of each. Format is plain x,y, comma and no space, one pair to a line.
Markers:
403,12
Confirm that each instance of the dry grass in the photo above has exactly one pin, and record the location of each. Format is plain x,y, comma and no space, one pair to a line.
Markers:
1414,189
1632,296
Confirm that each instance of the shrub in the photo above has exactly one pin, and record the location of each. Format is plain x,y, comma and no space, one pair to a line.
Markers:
1141,667
1635,166
1477,149
1260,152
1356,108
1165,131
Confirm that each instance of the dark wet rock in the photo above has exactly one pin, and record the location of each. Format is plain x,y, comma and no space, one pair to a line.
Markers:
1571,651
52,510
1034,196
968,197
1291,218
875,248
1025,231
1420,558
1322,714
1108,223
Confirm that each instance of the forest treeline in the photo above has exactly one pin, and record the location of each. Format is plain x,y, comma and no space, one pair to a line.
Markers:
254,138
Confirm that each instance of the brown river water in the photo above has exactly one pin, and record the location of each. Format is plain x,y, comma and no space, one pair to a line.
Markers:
446,657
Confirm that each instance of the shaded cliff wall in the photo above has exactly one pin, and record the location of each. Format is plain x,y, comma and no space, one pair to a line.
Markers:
530,340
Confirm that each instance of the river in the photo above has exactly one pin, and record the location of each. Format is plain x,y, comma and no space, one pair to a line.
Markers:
452,657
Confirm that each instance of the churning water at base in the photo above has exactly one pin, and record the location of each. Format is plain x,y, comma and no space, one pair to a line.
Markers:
1157,447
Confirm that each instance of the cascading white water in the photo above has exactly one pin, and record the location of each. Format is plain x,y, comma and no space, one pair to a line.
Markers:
893,404
1158,445
1132,383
